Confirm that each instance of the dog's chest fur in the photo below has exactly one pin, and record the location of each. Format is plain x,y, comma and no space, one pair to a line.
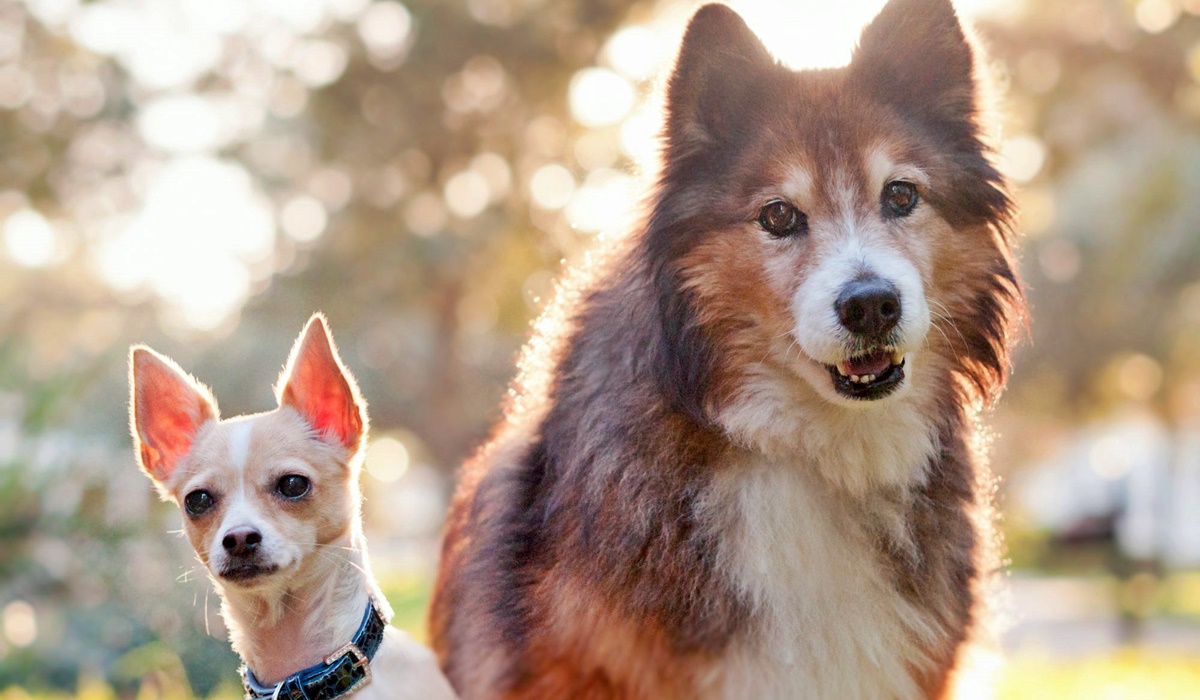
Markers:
826,616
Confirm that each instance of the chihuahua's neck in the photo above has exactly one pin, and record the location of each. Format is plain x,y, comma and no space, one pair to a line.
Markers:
278,633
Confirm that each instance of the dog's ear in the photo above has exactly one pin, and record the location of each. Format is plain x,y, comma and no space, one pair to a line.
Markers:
915,56
319,388
167,408
719,80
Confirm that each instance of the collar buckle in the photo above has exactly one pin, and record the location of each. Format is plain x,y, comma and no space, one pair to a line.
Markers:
360,661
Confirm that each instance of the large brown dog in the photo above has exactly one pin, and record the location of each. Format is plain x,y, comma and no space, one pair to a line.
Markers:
739,461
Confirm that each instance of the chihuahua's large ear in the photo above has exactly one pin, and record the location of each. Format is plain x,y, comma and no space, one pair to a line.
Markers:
718,81
915,55
319,387
167,408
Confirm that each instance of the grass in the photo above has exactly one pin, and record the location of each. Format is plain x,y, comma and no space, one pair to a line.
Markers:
1123,675
1127,674
409,596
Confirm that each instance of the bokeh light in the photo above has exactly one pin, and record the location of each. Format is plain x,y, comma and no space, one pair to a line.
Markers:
196,240
600,97
387,459
552,186
19,623
29,238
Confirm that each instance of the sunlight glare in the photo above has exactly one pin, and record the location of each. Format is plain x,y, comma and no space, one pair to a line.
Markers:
384,28
975,679
605,199
149,39
181,124
29,238
201,226
636,52
221,16
808,34
800,33
822,34
600,97
305,16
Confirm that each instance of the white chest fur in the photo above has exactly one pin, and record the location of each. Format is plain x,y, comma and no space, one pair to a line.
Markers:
829,624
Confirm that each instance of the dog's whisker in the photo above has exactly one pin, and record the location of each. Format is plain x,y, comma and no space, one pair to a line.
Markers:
344,560
946,316
207,629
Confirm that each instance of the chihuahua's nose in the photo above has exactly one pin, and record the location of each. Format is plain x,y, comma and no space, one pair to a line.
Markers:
242,541
869,307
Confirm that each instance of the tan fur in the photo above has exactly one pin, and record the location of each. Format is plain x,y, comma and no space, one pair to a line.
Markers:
316,577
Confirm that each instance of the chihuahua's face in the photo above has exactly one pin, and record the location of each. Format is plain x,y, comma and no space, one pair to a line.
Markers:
260,495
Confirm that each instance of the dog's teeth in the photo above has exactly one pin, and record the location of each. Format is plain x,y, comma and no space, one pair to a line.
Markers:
843,368
868,379
897,357
855,378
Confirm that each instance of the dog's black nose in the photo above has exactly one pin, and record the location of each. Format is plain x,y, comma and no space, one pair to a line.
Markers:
869,307
241,541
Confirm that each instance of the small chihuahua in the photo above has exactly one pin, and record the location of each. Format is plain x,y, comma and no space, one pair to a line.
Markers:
271,504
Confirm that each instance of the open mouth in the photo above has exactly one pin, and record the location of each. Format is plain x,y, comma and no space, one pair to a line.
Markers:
870,376
245,573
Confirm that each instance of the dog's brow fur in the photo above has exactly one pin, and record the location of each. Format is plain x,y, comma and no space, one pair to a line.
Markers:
239,443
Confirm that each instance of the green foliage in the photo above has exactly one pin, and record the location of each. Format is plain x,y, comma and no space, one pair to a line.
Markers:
1129,675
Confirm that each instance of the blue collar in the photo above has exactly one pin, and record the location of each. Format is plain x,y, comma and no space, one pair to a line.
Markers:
341,673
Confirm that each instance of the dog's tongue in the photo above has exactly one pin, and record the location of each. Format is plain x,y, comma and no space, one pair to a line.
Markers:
874,363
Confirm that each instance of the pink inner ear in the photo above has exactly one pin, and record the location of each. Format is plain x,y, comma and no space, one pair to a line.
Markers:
320,391
329,412
168,411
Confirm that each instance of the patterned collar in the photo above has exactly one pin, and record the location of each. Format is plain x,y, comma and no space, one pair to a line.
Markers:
343,672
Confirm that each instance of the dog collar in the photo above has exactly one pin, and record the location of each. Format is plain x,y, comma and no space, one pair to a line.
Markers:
341,673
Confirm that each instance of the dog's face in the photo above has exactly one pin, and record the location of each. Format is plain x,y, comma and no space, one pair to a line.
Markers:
827,221
849,254
260,494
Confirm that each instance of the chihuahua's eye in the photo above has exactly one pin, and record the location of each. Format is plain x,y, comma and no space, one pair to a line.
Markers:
198,502
899,198
293,486
781,219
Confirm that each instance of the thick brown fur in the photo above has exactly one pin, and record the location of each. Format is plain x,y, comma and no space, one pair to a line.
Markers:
583,551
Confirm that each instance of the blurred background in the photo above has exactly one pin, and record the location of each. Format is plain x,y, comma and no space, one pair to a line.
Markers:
201,175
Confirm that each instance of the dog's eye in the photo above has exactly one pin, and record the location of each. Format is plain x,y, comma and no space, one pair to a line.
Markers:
781,219
899,198
293,486
198,502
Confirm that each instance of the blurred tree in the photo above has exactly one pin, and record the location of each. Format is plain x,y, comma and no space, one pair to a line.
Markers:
387,147
1104,108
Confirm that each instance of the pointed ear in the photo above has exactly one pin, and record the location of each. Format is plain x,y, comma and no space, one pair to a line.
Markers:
915,56
167,408
718,79
319,387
